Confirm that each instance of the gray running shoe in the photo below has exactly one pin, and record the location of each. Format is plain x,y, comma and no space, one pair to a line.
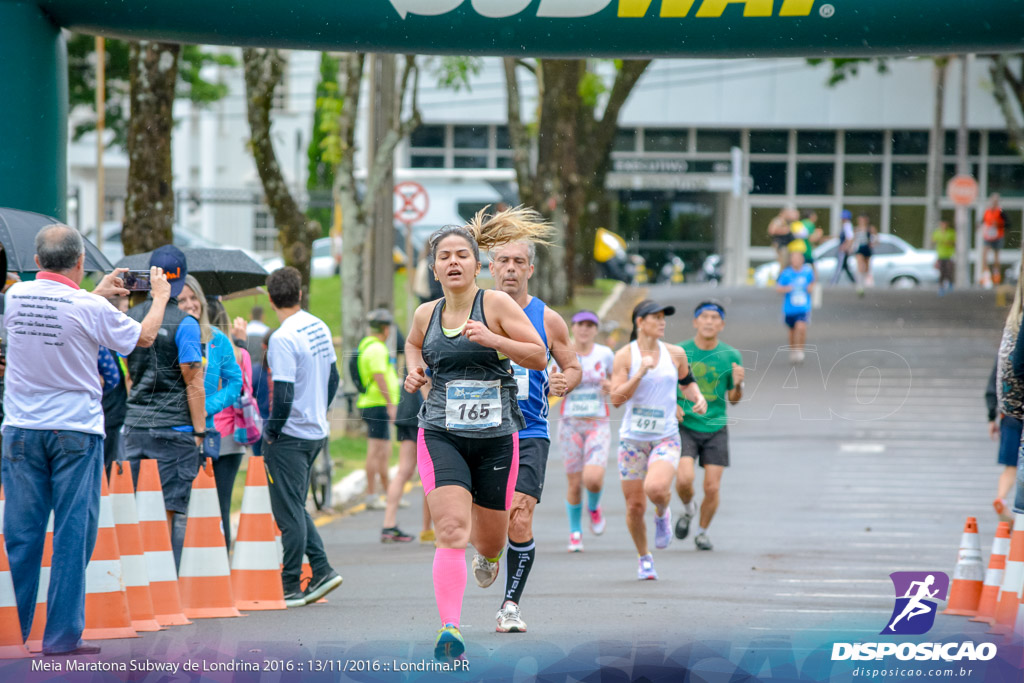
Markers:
485,571
509,620
702,542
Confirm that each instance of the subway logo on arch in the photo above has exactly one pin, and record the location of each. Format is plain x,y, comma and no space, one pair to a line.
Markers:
566,9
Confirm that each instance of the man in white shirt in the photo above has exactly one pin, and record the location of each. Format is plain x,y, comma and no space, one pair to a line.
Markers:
303,365
53,425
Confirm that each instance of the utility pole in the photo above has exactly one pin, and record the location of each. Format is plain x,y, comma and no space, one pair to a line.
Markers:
381,274
101,122
963,228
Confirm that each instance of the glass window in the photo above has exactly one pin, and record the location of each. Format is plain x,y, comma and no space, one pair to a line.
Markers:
1007,179
909,180
815,178
886,248
910,142
426,161
864,180
502,140
864,142
717,140
769,178
908,222
760,217
625,140
769,141
949,170
469,137
999,144
427,136
973,143
470,161
815,142
504,162
665,140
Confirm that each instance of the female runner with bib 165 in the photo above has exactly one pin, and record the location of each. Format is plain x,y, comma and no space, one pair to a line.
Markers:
467,447
584,434
644,377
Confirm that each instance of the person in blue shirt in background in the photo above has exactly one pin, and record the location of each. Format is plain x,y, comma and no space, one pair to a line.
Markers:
797,283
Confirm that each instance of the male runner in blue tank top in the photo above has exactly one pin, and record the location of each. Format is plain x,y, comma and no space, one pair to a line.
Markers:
511,267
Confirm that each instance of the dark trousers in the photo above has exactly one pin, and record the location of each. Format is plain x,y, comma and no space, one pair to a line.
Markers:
225,469
113,447
288,461
61,471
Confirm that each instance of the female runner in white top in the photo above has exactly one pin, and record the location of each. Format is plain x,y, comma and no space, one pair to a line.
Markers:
644,377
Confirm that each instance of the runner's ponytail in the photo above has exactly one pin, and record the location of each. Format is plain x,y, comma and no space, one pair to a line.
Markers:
521,224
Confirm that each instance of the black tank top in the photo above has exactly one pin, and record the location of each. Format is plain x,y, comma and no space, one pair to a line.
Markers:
468,381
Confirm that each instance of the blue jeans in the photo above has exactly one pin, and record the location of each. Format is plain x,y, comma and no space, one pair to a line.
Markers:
1018,503
55,470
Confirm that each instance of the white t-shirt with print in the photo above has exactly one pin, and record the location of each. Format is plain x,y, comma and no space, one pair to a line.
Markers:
596,367
54,334
301,352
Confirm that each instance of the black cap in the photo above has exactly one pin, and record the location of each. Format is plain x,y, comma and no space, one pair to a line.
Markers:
651,307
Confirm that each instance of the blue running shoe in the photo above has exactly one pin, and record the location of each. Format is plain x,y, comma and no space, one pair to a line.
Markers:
449,645
646,571
663,530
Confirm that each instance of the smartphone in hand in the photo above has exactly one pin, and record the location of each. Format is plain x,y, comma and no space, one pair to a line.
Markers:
137,281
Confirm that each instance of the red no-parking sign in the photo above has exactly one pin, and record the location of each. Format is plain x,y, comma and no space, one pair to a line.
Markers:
411,202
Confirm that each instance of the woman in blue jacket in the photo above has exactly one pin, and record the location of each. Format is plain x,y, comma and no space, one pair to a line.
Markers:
223,384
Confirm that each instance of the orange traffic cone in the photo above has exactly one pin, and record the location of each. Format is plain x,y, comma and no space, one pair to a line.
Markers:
994,575
1013,581
106,604
205,577
255,573
156,547
35,635
11,643
968,576
129,541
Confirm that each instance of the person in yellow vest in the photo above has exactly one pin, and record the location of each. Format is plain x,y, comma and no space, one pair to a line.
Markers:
378,403
945,249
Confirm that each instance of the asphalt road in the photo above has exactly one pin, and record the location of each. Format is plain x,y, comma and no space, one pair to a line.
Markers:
865,460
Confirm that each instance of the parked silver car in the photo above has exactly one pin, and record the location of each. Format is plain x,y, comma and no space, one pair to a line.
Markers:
894,263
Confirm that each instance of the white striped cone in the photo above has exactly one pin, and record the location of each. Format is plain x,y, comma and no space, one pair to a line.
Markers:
35,635
255,574
106,603
204,577
11,645
156,547
129,541
1013,581
994,575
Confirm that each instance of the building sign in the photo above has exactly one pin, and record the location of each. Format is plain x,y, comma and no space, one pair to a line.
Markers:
649,165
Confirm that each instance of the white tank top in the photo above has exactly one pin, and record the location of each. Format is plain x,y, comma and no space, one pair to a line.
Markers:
651,412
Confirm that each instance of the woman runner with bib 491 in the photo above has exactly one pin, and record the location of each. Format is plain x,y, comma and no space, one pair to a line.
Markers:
467,447
644,377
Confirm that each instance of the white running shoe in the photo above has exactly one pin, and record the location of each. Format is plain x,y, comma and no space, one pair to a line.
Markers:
575,542
484,570
509,620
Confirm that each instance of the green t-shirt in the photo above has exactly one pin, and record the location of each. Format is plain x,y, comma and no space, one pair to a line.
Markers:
945,243
713,372
374,358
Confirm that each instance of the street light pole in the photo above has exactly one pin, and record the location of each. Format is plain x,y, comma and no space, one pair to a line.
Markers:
963,229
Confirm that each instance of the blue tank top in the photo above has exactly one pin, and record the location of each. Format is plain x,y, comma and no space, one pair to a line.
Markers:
532,385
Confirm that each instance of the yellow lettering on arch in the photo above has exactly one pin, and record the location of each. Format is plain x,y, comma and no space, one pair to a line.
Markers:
751,8
796,8
669,8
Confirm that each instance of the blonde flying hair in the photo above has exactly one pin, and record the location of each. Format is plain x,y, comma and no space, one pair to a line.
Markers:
490,231
205,330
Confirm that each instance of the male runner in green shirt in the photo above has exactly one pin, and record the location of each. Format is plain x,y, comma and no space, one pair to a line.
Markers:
718,369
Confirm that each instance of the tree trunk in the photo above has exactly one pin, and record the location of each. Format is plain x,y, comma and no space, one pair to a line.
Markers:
295,232
149,205
1007,84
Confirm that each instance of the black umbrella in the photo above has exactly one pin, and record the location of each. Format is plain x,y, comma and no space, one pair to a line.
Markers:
18,231
219,271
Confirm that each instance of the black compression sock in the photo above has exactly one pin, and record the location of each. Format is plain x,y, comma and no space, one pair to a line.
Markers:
519,562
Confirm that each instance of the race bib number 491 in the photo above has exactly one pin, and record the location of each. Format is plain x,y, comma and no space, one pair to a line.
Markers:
646,420
472,404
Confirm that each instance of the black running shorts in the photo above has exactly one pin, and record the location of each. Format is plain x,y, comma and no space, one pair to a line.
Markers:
487,468
533,464
708,448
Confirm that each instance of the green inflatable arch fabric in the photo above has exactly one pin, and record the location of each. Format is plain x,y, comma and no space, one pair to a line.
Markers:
33,122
